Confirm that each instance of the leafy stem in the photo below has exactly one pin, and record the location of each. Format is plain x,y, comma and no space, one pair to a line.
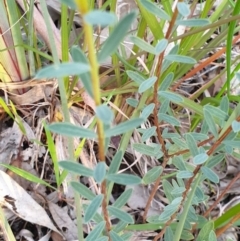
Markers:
89,41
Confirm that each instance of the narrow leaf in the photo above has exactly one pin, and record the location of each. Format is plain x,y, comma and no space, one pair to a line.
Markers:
124,179
192,144
200,158
104,113
180,59
92,208
161,46
170,96
79,56
184,174
124,127
209,174
96,232
183,9
122,200
210,121
193,22
99,172
169,119
115,237
144,149
155,10
62,70
236,126
152,175
149,133
143,45
76,168
117,35
135,76
215,111
166,82
100,18
148,83
147,111
68,129
118,213
83,190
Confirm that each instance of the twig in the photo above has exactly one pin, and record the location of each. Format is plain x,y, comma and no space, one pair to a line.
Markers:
155,100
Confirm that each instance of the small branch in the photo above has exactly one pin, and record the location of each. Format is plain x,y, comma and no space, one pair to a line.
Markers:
188,185
155,100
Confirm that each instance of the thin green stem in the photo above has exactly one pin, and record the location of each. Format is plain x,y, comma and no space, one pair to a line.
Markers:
66,115
89,41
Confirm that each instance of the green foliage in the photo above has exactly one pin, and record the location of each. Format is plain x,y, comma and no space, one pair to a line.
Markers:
168,140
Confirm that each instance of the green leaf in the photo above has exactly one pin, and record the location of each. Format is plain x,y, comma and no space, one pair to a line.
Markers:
183,9
83,190
132,102
192,145
180,59
170,96
184,174
168,236
145,149
147,111
79,56
215,111
120,226
152,175
115,237
104,113
68,129
99,172
124,127
169,119
100,18
124,179
76,168
103,238
164,107
148,83
96,232
115,163
224,104
122,200
135,76
209,174
26,175
149,133
212,236
143,45
178,190
205,231
154,9
210,121
116,36
200,158
193,22
164,85
234,144
127,236
161,46
215,160
236,126
62,70
118,213
92,208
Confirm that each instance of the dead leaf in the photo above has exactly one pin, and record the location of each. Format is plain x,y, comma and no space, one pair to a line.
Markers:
15,198
63,221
